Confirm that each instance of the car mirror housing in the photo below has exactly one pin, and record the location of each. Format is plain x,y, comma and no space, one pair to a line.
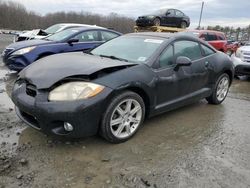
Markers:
71,41
182,61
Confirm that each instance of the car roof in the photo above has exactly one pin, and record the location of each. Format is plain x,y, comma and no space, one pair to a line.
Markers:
154,34
77,25
204,30
169,36
89,27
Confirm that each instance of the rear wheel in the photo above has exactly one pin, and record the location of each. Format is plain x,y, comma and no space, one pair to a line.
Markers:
220,91
157,22
183,25
123,117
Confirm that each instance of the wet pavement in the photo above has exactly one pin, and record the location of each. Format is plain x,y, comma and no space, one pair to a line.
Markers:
199,145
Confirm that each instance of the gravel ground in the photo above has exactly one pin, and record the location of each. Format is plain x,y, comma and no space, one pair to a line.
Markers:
199,145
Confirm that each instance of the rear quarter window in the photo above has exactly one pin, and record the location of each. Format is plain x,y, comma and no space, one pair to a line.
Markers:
221,37
206,50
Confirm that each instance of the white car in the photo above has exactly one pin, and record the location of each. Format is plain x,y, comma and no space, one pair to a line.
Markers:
39,33
241,61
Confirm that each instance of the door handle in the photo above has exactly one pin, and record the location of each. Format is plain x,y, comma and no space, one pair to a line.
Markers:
206,64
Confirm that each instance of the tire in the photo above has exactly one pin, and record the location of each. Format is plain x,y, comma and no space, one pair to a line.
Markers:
222,86
183,25
157,22
229,53
126,124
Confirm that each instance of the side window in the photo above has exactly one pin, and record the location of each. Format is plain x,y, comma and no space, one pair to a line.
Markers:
167,57
211,37
179,13
87,36
221,37
106,35
204,36
206,50
171,12
188,49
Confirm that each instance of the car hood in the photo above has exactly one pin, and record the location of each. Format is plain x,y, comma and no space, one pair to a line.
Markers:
32,33
145,16
245,48
47,71
28,43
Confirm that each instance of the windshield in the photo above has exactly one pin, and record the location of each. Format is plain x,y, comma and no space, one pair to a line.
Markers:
62,35
130,48
161,11
53,29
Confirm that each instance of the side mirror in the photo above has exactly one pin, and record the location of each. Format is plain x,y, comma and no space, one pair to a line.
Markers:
71,41
167,13
182,61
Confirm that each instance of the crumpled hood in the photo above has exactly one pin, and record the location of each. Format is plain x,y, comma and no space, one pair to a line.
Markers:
45,72
28,43
32,33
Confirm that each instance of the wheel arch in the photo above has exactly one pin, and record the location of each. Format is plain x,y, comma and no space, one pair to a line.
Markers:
44,54
141,92
230,74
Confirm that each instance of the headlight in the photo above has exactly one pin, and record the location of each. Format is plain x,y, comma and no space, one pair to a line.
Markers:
239,54
24,50
75,91
150,17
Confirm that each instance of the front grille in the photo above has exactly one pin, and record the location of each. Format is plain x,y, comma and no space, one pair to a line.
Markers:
7,51
18,39
30,119
31,90
246,56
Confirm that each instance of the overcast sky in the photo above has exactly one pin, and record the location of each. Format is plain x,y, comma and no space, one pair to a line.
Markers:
216,12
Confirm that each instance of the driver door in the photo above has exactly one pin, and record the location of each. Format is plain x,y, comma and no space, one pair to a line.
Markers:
169,18
87,40
176,86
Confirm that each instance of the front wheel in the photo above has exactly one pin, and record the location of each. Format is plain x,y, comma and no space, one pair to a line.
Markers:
157,22
220,90
123,117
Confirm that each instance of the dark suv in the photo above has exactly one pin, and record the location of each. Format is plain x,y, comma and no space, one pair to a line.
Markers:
164,17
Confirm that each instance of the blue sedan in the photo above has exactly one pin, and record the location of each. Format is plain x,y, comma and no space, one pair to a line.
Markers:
19,55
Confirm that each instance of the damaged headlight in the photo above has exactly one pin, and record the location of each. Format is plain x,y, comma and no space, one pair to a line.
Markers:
75,91
239,54
24,50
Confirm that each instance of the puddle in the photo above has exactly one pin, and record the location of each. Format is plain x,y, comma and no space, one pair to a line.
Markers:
5,101
10,125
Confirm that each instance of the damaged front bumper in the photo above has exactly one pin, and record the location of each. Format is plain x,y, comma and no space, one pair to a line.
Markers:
49,117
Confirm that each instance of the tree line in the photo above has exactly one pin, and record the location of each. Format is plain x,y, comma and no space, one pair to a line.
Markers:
15,16
237,34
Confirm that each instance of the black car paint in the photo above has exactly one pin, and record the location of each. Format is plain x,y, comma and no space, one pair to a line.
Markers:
166,19
162,89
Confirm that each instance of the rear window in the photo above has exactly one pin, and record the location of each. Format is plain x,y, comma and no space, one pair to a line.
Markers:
211,37
221,37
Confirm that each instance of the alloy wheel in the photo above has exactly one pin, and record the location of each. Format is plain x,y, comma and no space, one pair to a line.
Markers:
222,88
126,118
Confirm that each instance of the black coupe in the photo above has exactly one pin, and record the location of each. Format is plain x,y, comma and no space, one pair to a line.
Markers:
164,17
113,88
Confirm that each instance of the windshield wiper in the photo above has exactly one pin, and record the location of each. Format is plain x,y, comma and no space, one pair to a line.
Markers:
114,57
87,52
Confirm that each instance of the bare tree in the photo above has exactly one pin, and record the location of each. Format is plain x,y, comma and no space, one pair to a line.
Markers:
15,16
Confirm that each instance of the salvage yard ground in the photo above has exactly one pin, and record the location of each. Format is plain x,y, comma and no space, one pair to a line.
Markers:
199,145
